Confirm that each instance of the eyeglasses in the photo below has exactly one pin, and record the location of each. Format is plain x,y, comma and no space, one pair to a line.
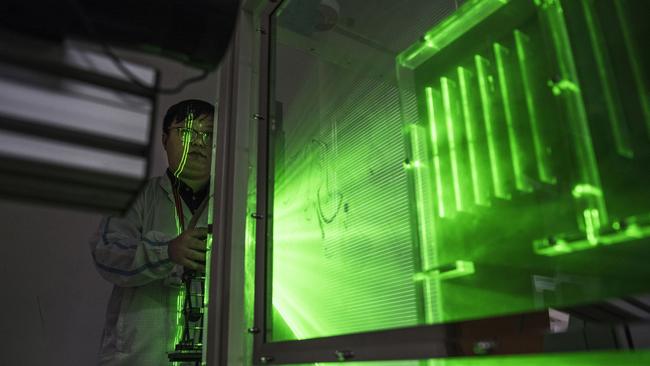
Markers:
190,134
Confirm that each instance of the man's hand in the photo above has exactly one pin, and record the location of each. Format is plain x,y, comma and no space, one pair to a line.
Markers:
188,249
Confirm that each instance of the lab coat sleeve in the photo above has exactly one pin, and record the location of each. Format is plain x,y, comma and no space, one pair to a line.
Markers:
127,257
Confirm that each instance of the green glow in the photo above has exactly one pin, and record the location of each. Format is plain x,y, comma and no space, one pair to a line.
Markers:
592,225
606,74
552,17
563,86
543,166
457,269
582,190
495,126
634,228
521,121
187,138
446,85
482,66
180,298
474,12
426,221
501,54
464,77
592,358
340,208
249,263
436,151
633,57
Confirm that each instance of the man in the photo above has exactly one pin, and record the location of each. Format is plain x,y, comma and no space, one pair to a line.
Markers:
144,252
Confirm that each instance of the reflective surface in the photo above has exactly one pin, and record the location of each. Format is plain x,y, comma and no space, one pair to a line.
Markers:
570,359
528,153
494,175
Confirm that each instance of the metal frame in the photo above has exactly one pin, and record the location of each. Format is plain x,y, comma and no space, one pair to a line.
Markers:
263,184
502,335
216,337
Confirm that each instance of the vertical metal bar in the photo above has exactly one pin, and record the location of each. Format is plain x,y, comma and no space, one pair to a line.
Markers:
264,182
216,317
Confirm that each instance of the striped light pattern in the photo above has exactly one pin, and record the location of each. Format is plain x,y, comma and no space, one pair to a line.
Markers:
342,250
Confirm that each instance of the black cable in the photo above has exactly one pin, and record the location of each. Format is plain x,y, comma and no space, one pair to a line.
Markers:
120,64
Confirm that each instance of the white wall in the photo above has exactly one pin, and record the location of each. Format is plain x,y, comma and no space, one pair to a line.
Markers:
53,300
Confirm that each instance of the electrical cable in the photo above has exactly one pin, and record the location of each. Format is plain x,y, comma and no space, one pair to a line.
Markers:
119,63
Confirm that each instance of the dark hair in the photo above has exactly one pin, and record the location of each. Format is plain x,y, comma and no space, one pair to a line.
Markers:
180,110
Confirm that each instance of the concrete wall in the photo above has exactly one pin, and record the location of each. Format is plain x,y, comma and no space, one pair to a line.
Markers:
53,300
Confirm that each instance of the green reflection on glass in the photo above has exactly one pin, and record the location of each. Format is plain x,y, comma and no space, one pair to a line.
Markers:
599,358
457,269
505,74
522,42
449,30
633,55
426,220
465,80
451,117
616,118
486,87
552,16
433,127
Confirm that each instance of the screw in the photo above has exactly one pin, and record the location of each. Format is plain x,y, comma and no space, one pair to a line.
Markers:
484,347
255,215
266,359
253,330
343,355
258,117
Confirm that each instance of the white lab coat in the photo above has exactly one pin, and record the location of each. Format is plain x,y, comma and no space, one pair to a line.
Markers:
131,252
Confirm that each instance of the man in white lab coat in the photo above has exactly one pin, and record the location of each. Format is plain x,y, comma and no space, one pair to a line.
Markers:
143,253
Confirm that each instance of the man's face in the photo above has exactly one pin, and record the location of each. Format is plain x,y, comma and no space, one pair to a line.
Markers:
188,155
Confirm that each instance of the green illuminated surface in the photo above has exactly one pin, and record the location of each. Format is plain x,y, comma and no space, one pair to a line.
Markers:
640,73
180,299
568,359
433,122
465,79
486,87
502,54
513,156
532,171
436,39
340,210
615,114
522,42
424,191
